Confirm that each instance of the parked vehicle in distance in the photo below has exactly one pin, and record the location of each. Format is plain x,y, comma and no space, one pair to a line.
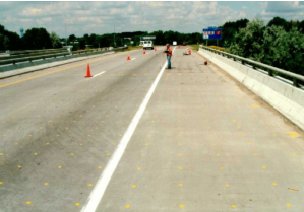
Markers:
148,45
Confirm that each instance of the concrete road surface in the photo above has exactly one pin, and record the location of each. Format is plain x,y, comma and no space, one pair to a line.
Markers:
203,142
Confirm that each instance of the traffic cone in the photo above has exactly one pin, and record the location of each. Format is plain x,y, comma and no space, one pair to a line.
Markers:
128,58
144,52
88,74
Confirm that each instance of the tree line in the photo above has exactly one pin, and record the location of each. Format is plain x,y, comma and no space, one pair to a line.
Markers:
279,43
40,38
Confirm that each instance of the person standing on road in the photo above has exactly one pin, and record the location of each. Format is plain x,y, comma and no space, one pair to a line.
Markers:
168,51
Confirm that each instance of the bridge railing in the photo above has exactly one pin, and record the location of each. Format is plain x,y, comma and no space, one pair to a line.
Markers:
31,56
272,71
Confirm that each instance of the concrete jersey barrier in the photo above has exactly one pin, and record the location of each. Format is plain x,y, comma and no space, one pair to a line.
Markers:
284,97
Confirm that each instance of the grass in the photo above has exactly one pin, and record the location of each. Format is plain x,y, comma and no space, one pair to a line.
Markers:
217,48
194,47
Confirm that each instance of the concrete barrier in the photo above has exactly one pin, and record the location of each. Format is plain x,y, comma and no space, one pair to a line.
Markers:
281,94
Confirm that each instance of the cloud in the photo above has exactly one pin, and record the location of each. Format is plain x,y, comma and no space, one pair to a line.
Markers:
284,9
66,17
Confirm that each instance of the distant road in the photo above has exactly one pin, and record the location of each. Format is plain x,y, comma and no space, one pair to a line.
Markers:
203,142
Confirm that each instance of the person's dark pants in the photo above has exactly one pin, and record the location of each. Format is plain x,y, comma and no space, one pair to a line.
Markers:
169,62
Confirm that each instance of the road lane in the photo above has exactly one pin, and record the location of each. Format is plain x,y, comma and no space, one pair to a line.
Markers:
205,143
59,130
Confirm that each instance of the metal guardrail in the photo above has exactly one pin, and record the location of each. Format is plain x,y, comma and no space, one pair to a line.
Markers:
271,70
31,58
43,54
35,51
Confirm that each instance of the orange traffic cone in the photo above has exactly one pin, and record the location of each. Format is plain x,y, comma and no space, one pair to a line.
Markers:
88,74
128,58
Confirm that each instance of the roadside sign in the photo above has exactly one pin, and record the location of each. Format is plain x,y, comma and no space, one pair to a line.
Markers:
212,33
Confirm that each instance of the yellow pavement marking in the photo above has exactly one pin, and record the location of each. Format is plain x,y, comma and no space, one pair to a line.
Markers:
59,166
234,206
293,134
127,206
77,204
263,167
90,185
288,205
133,186
180,168
274,184
138,168
1,154
19,166
28,203
99,167
181,206
255,106
227,185
46,184
180,185
36,153
1,183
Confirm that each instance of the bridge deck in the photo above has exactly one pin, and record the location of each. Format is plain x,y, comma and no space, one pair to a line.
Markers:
204,142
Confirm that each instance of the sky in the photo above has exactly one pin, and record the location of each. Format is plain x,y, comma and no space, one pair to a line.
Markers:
79,17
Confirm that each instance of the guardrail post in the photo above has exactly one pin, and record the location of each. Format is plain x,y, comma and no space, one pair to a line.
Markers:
270,72
295,82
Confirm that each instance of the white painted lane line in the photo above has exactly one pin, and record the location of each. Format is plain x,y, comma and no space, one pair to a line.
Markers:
133,58
97,194
99,74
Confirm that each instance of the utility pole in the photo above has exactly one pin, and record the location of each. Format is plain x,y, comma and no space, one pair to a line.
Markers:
66,36
114,37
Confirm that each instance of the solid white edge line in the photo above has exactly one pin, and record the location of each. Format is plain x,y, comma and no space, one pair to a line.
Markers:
99,74
97,193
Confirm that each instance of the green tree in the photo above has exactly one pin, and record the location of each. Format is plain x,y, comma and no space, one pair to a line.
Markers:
55,40
37,38
294,40
72,38
278,21
249,41
9,40
274,46
230,29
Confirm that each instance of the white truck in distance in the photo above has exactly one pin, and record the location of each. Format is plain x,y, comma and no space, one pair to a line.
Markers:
148,45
